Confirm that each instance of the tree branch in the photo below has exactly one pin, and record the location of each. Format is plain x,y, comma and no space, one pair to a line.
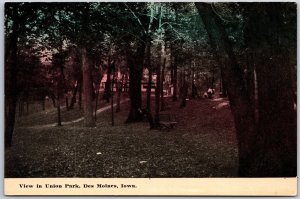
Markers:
137,18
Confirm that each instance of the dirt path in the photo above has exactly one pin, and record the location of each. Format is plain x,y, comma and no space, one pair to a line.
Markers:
73,121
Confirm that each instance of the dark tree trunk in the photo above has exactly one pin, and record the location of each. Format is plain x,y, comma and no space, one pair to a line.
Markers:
223,91
52,96
112,97
96,105
119,92
67,103
107,89
184,93
277,147
80,95
162,106
175,84
270,149
11,99
135,62
58,93
87,90
149,75
43,104
172,62
277,119
97,95
232,76
73,99
157,95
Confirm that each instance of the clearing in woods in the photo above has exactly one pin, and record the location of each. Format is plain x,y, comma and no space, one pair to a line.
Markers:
202,144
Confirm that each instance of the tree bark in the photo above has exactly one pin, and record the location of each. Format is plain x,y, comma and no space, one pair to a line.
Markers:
269,149
162,106
87,90
119,92
157,95
149,88
232,74
135,62
80,95
175,83
277,147
73,100
107,89
11,99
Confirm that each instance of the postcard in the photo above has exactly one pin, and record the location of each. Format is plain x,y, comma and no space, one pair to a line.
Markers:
151,98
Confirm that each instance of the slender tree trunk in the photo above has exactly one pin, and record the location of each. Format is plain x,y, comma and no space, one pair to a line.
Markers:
67,103
58,106
162,107
43,104
112,98
175,84
149,88
73,99
80,95
172,62
107,88
52,96
184,93
87,90
157,95
119,91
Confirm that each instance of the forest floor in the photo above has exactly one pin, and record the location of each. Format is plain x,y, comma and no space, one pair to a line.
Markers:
202,144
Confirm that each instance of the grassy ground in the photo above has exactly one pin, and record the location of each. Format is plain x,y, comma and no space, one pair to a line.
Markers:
202,144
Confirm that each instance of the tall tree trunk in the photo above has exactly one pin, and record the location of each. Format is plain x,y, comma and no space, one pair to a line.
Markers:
67,102
135,62
175,83
222,84
157,95
80,95
11,99
107,88
73,99
270,149
277,146
87,90
232,74
149,88
162,106
96,101
43,104
119,92
58,93
112,97
53,100
184,92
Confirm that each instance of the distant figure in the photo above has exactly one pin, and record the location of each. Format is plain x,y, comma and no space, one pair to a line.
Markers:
209,93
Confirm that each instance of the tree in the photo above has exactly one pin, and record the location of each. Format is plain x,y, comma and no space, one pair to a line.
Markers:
257,155
18,15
